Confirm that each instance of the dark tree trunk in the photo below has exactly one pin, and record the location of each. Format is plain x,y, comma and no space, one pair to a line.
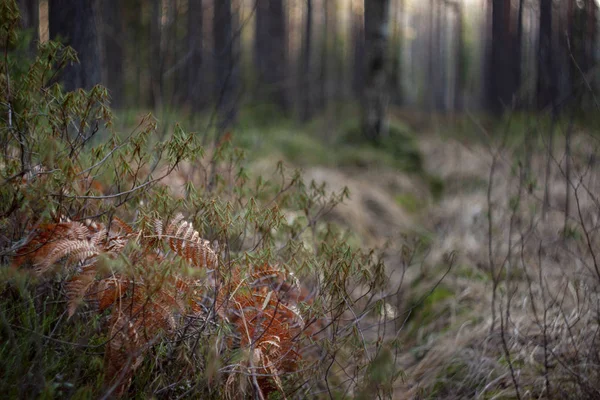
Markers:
502,77
518,48
271,50
546,84
112,25
323,78
375,94
358,54
305,88
156,57
74,22
194,64
396,73
30,19
225,64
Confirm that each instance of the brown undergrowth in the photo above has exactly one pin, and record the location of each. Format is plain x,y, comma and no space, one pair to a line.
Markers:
151,297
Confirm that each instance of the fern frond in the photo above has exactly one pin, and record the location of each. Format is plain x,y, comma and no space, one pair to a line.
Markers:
187,243
78,286
76,250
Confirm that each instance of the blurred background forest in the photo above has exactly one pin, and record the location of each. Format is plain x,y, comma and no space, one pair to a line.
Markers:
306,58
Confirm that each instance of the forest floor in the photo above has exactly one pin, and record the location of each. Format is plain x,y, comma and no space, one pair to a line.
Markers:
466,304
454,345
437,311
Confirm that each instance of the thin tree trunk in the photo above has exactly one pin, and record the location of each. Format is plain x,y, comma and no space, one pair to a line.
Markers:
518,49
156,57
396,70
430,59
270,51
322,99
225,66
305,75
375,96
113,35
194,68
75,22
459,54
440,92
502,86
358,43
546,84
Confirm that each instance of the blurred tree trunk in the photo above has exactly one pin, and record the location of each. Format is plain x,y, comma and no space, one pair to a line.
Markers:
225,65
358,53
156,60
74,22
30,19
396,51
305,87
112,32
375,94
518,40
430,57
459,56
502,77
323,78
194,64
582,37
136,47
546,84
271,50
440,57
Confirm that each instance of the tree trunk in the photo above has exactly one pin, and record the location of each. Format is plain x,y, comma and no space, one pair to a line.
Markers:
518,49
358,54
305,74
156,59
502,85
226,73
323,78
396,73
375,95
112,26
270,51
432,53
460,57
440,60
194,64
546,84
74,22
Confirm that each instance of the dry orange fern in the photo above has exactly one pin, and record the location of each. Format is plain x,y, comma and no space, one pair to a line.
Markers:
261,303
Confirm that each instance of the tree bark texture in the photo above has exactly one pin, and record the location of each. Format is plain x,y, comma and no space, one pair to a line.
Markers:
74,21
375,94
